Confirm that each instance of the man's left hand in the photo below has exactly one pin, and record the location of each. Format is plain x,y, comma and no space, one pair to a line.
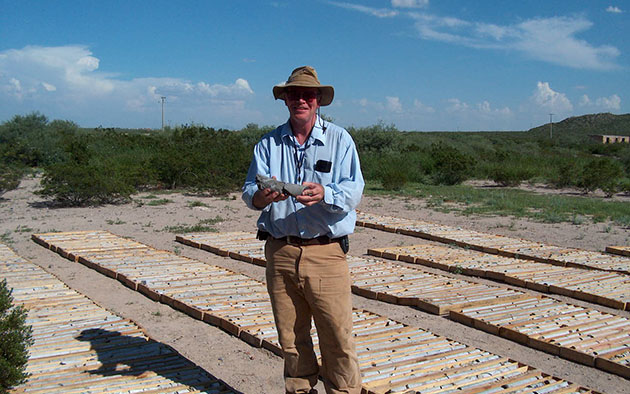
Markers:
313,194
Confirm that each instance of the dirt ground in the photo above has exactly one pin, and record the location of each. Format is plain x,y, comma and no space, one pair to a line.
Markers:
255,370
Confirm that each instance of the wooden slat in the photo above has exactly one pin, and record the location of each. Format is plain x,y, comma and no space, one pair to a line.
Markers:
611,289
375,279
80,347
388,348
463,300
490,243
620,250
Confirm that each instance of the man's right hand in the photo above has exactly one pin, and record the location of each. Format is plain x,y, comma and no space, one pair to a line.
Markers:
266,196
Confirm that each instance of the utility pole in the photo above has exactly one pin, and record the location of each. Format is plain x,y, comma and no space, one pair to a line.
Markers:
163,98
550,126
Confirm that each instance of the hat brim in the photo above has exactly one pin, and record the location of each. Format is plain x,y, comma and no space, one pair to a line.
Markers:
327,92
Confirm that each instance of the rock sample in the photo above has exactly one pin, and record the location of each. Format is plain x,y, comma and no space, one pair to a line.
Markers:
293,189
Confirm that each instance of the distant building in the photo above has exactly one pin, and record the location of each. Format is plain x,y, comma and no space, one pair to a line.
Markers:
611,139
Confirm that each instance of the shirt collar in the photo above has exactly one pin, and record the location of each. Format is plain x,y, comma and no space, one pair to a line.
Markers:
317,133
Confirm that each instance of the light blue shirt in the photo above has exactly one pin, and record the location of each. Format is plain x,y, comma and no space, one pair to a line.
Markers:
278,153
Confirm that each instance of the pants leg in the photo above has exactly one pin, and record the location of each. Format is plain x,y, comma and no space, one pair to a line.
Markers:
292,316
328,292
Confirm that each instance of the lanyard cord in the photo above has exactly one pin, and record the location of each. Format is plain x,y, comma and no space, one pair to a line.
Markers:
299,160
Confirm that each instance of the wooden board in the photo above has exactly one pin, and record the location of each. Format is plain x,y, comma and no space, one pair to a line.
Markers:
375,279
577,333
620,250
394,358
81,347
440,294
611,289
491,243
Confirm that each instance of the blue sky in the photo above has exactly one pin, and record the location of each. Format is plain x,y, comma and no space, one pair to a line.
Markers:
417,64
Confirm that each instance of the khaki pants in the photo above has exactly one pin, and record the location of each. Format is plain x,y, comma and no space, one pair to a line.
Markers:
305,281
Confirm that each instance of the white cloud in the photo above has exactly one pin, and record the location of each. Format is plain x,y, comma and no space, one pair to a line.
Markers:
377,12
547,98
456,105
420,107
393,104
66,81
485,108
552,40
614,9
611,103
410,3
49,87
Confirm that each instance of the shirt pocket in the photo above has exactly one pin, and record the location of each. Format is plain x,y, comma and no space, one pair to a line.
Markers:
323,171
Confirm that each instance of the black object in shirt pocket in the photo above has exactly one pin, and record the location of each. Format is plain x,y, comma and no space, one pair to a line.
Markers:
323,166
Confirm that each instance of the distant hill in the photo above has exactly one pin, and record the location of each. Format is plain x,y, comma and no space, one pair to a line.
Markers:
582,126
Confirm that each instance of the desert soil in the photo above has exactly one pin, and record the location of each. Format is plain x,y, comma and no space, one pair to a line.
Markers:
255,370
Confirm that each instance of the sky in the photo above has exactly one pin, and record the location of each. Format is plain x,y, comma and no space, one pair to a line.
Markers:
419,65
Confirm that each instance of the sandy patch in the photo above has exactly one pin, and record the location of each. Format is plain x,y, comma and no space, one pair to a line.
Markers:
254,370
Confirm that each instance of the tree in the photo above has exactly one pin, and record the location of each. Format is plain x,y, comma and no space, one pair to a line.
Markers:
15,338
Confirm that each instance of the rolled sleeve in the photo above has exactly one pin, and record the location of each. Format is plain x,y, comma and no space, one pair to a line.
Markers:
257,166
345,194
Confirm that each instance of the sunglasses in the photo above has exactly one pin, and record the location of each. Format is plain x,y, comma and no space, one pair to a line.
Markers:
306,95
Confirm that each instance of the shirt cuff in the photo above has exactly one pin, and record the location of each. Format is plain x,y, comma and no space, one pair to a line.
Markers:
329,200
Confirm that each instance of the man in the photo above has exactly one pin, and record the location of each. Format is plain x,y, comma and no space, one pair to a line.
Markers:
307,273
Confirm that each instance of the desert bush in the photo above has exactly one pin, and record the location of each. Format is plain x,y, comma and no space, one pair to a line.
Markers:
32,141
377,138
450,166
601,173
15,338
252,133
84,178
202,159
9,177
393,173
510,175
71,184
564,172
624,186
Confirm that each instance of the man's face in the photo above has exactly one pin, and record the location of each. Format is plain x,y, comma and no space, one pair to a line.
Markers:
302,103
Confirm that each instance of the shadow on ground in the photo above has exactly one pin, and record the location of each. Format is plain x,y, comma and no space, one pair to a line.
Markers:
128,355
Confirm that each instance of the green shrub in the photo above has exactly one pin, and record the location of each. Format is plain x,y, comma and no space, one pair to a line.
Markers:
15,338
393,174
602,173
450,166
377,138
202,159
9,178
71,184
510,175
31,141
566,175
83,178
624,186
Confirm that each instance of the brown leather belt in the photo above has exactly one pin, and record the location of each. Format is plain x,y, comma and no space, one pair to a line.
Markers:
293,240
297,241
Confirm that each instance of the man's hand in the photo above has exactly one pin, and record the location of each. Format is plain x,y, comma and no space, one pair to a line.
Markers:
313,194
266,196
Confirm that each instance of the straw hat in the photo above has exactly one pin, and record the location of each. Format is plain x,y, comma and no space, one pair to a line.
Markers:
305,76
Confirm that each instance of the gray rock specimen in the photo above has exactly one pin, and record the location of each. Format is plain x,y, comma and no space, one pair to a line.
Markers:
264,182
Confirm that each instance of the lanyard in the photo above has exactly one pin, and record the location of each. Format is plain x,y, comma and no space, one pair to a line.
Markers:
299,159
